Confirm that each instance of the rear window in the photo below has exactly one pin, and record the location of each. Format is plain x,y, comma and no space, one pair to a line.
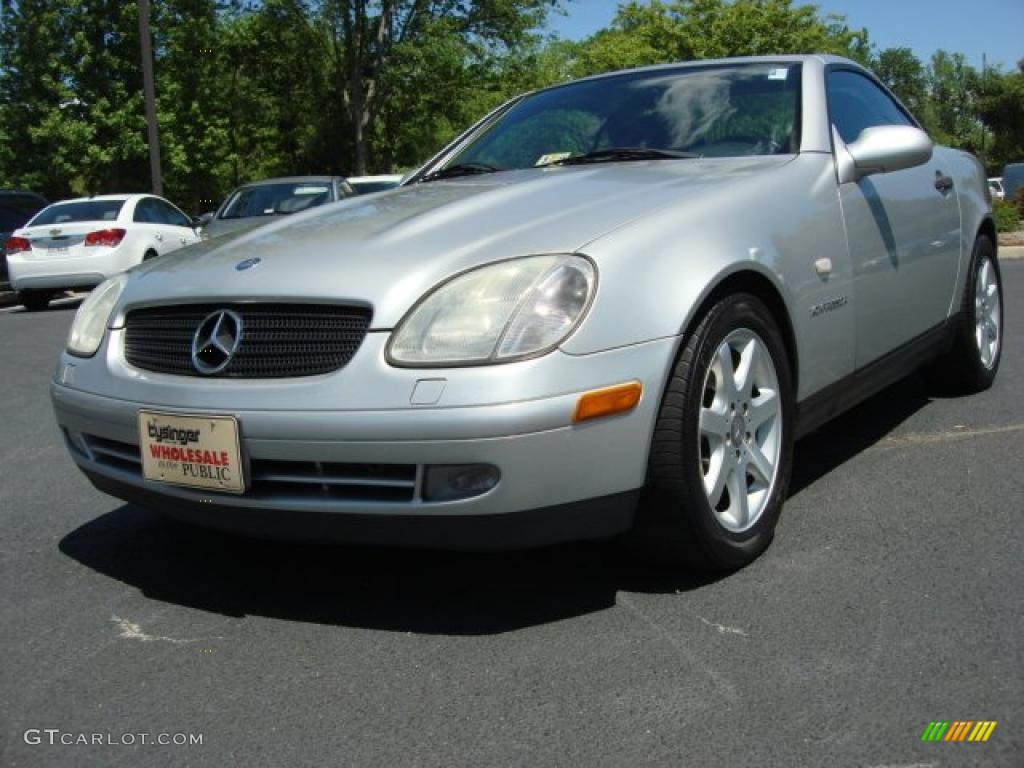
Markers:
89,210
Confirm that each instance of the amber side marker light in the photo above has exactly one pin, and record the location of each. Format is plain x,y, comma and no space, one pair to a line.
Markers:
608,401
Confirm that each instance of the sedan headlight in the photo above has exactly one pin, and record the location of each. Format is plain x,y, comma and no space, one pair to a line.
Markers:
496,314
91,319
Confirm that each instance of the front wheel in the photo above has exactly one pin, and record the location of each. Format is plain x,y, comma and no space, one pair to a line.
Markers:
722,448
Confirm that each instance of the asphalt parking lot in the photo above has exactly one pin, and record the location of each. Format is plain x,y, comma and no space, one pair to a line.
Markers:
893,596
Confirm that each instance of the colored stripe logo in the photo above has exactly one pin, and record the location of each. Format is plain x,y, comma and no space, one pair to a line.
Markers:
959,730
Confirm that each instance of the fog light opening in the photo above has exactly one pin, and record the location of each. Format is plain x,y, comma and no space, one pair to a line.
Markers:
76,443
458,481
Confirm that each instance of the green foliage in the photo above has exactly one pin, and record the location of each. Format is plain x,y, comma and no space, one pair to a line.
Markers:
685,30
905,76
1007,215
253,88
1001,109
951,116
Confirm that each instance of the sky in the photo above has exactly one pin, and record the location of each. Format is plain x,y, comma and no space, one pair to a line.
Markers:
971,27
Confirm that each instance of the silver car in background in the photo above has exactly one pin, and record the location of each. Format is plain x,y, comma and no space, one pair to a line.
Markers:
610,307
259,202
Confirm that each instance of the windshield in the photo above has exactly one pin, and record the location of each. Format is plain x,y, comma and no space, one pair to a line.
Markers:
88,210
275,199
369,187
719,111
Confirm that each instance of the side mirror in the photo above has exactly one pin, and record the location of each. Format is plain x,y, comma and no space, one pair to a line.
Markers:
202,220
887,148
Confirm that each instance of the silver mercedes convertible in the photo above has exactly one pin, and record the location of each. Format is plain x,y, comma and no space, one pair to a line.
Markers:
609,307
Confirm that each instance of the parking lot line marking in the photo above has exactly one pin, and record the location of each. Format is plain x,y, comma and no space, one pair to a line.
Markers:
927,438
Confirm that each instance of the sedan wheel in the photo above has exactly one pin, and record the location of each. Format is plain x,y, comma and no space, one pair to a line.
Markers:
34,301
722,447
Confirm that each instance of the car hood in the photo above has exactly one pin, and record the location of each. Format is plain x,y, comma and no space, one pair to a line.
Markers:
389,249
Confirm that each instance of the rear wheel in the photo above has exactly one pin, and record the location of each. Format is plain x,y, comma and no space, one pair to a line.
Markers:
972,362
35,301
149,255
722,447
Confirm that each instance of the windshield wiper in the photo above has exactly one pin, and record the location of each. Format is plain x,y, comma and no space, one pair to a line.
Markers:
461,169
617,154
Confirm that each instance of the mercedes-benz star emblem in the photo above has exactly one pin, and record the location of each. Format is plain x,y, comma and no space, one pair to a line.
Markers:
216,341
247,264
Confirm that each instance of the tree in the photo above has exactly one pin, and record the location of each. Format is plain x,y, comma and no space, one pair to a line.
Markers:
193,120
1001,108
38,149
951,117
686,30
366,40
905,75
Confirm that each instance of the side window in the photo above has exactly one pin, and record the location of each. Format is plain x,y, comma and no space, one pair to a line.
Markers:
172,215
856,102
145,212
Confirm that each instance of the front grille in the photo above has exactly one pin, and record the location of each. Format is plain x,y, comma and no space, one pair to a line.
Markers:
277,340
283,481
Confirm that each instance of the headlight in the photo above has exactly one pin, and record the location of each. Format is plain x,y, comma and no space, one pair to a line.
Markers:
91,319
498,313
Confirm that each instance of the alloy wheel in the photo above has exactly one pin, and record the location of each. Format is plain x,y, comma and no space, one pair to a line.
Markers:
740,430
987,314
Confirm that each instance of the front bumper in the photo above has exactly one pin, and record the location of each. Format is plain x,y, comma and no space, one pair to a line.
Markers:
558,480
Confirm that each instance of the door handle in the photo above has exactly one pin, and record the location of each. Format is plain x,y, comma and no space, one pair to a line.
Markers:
184,241
159,237
943,183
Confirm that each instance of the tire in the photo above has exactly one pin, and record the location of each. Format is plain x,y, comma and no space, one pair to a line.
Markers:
678,525
966,368
34,301
149,255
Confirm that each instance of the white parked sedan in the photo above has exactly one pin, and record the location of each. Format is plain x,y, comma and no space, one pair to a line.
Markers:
80,243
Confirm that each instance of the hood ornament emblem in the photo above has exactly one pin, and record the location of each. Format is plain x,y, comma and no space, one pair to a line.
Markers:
242,266
216,341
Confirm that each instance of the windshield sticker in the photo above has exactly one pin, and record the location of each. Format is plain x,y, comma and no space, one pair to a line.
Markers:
778,74
553,157
309,190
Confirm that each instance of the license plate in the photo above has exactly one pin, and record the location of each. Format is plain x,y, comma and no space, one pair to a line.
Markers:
194,451
58,249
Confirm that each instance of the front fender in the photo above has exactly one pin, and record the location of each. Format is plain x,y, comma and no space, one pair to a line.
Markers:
656,272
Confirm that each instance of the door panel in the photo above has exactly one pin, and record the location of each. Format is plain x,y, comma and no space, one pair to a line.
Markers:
147,223
903,227
904,237
176,228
